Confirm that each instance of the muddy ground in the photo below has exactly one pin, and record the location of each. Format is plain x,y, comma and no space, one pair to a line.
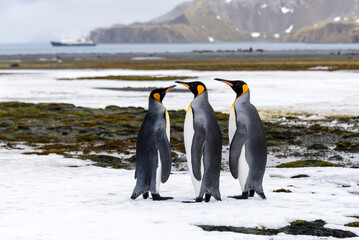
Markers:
108,136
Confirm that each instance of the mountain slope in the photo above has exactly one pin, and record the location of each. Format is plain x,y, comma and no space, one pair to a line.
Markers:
230,20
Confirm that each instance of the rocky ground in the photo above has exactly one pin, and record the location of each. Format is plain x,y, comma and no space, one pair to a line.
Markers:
108,136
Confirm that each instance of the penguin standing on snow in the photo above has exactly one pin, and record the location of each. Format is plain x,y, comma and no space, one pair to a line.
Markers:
153,151
248,146
203,143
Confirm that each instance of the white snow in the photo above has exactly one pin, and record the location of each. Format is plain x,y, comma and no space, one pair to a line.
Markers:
210,39
288,30
228,1
286,10
264,6
218,17
44,199
276,35
255,34
316,92
337,19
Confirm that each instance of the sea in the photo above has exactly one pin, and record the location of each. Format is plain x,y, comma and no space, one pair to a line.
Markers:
46,48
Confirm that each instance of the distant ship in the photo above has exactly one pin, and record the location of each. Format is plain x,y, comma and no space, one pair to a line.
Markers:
69,42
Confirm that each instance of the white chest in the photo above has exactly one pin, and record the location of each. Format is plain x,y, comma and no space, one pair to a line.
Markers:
188,139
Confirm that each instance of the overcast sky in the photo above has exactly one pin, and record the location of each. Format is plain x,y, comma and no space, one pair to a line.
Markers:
22,21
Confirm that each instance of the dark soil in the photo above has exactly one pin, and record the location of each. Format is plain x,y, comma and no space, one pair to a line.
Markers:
299,227
108,136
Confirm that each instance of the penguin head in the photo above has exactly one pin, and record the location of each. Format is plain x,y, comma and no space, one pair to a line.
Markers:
159,93
238,86
196,87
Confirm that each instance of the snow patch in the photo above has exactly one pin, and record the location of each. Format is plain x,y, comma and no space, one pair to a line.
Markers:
288,30
218,17
210,39
255,34
52,201
276,35
286,10
264,6
337,19
228,1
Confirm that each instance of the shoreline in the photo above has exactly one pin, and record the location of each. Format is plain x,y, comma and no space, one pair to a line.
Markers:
196,60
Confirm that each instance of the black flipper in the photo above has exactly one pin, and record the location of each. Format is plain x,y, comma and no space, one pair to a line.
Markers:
239,138
199,138
157,197
164,148
243,196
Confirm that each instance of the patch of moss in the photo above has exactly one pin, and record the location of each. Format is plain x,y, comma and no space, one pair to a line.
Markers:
271,143
282,190
347,147
133,78
205,65
299,227
352,224
307,163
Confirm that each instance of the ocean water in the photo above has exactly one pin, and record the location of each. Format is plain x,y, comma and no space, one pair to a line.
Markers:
23,49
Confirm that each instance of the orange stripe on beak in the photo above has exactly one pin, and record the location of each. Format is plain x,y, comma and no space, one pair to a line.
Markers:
230,84
169,89
187,86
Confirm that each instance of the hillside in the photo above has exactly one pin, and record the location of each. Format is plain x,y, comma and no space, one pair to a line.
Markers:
230,20
328,32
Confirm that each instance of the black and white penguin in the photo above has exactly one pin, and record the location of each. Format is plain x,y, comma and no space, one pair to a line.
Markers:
153,151
203,143
248,146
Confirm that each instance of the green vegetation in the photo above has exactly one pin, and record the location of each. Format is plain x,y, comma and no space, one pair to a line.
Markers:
347,146
108,136
282,190
298,227
307,163
133,78
352,224
213,65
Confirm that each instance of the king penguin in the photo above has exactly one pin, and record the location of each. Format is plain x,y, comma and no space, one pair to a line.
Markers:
203,143
248,146
153,151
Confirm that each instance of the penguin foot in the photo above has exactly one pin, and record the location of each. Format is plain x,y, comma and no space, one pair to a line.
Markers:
145,195
251,193
243,196
207,197
262,195
157,197
199,199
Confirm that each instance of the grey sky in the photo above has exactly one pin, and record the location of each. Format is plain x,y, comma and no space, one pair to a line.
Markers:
22,21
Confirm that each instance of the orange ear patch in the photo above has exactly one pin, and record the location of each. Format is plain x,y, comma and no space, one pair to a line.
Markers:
245,88
157,97
200,89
